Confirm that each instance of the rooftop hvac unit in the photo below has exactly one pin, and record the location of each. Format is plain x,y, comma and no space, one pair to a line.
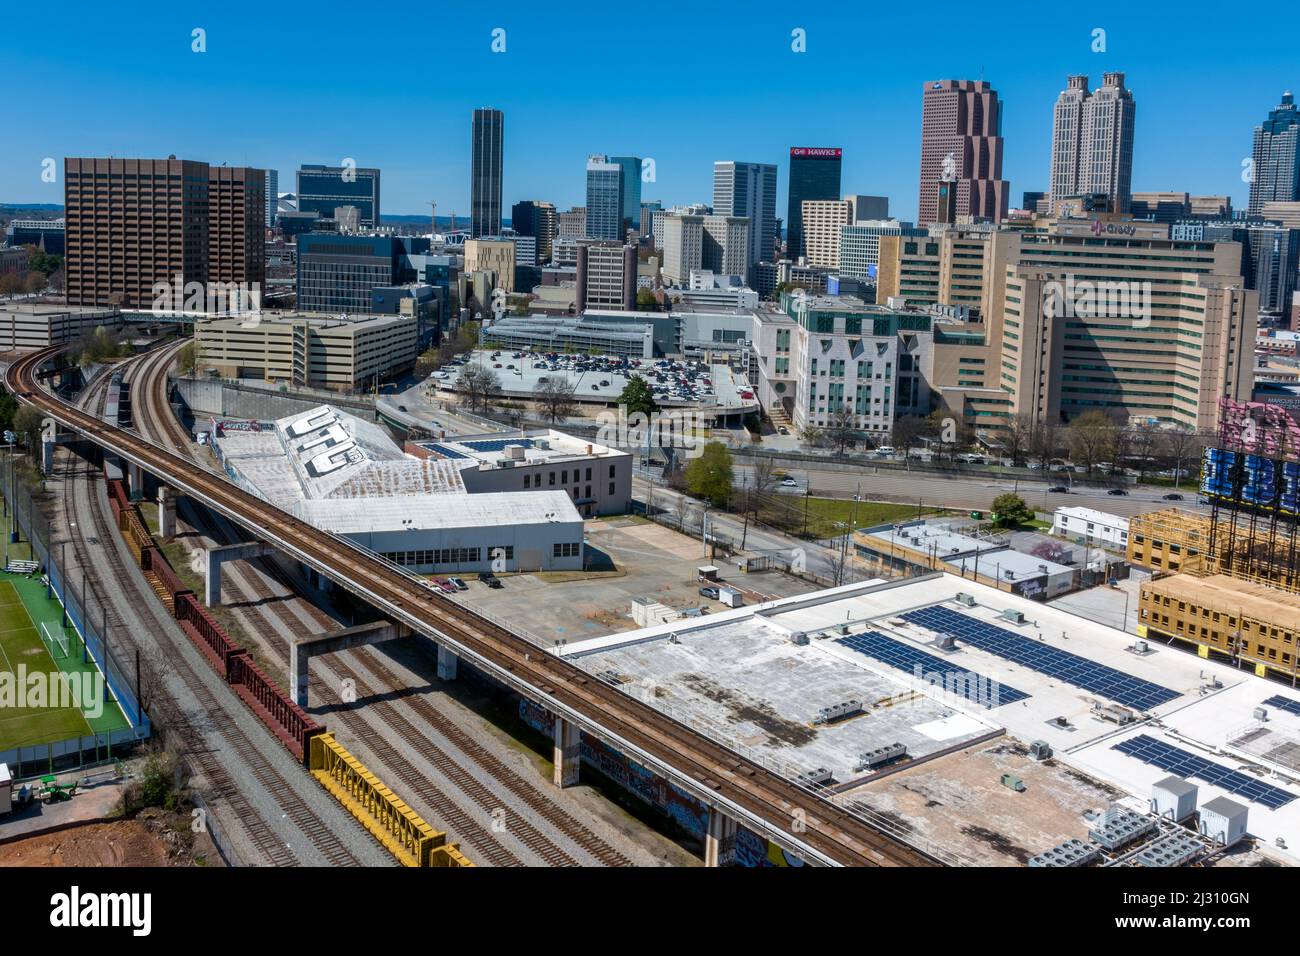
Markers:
1072,852
799,637
842,628
1040,750
1223,820
1012,615
964,598
1012,782
1113,712
945,642
838,711
1121,827
872,759
1261,714
808,778
1173,798
1174,849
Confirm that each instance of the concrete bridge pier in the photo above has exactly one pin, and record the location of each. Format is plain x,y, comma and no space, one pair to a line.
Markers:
720,839
216,557
568,752
447,662
135,481
166,512
301,652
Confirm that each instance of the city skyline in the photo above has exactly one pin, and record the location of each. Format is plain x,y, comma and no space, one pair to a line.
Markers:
550,137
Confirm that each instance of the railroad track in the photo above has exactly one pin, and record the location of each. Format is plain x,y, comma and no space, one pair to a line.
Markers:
799,818
80,475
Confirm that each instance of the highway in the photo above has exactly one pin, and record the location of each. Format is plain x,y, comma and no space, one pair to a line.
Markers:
796,818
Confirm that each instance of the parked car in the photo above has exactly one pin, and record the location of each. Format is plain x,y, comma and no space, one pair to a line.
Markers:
1058,490
458,584
709,592
789,483
1117,491
490,579
1173,496
442,584
783,430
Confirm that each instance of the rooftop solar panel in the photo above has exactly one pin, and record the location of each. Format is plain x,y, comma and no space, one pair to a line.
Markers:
1157,753
1035,655
497,444
445,451
974,687
1284,703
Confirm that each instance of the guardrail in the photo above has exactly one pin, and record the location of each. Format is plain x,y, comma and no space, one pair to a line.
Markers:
206,633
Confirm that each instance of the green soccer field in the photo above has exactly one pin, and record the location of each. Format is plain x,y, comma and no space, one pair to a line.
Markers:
22,604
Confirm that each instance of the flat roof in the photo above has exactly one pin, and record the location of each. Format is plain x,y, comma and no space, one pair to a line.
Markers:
732,669
537,446
1095,516
440,511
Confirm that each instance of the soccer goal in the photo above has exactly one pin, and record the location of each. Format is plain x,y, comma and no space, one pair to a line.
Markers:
55,640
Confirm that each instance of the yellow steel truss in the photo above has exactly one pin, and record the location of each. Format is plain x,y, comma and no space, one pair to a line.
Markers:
388,819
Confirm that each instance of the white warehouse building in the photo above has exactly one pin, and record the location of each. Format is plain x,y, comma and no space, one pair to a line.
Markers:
344,475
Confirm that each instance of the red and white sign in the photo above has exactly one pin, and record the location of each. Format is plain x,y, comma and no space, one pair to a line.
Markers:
815,152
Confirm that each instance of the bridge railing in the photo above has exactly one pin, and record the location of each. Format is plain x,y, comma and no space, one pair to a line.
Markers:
289,722
206,633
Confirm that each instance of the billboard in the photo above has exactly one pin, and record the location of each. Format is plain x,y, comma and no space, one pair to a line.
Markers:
815,152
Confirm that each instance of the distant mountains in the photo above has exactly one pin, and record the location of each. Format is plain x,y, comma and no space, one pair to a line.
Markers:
30,207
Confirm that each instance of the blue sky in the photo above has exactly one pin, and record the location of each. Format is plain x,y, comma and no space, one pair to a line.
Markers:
685,84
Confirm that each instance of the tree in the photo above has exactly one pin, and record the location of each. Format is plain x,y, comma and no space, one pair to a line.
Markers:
1011,510
27,426
646,301
35,282
1018,437
1045,443
8,408
1179,446
11,283
1140,446
555,397
478,386
638,397
841,430
709,477
906,430
187,359
1093,438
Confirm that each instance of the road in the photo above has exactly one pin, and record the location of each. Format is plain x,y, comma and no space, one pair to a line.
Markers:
939,491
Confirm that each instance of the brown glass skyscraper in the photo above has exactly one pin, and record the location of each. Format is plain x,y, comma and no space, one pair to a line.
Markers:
961,141
132,223
487,136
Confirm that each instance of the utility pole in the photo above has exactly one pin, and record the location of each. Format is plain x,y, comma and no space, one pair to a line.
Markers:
433,219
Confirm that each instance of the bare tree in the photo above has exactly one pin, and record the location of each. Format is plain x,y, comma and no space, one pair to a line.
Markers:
1094,438
1141,443
555,397
841,430
1048,439
1018,437
478,386
1179,446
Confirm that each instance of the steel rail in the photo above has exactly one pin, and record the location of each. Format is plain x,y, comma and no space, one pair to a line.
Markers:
793,817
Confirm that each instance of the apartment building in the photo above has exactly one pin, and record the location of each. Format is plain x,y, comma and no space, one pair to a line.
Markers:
606,277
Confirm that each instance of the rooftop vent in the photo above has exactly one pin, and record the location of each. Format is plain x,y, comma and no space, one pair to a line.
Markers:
838,711
872,759
964,598
1012,615
1040,750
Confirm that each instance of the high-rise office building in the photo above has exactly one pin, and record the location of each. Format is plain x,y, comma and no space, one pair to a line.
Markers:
572,223
648,208
749,190
135,223
860,245
236,225
961,143
538,219
725,248
683,245
487,137
1275,158
631,191
1092,141
606,277
322,189
814,174
272,196
822,221
131,223
340,273
604,198
867,208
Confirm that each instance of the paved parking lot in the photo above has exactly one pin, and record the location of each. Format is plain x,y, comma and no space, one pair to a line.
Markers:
649,561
